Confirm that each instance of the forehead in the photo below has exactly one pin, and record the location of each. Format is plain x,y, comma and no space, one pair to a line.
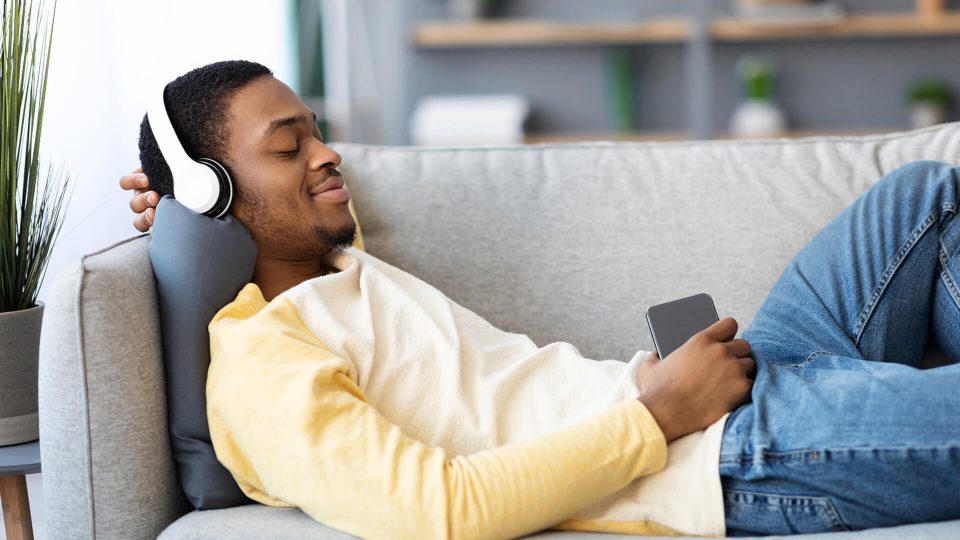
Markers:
260,101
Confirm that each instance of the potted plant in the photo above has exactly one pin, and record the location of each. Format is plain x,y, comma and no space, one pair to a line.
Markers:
929,100
32,202
757,115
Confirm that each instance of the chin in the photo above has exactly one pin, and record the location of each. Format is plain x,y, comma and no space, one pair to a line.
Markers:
337,236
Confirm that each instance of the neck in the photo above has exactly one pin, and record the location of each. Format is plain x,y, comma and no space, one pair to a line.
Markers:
273,276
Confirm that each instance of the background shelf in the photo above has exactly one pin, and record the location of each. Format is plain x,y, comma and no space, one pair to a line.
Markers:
884,25
569,59
510,33
544,33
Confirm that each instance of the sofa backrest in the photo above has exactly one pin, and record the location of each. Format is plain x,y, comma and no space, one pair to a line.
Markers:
561,242
573,242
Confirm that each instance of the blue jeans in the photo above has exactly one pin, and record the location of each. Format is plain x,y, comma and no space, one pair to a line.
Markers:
843,431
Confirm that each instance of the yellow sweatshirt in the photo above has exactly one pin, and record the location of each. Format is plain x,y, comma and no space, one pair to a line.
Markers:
382,408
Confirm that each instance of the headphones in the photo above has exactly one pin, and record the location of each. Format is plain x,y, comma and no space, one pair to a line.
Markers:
204,185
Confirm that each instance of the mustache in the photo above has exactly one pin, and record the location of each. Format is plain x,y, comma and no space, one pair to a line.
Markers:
326,175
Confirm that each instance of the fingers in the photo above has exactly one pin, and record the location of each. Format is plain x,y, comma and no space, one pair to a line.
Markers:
144,220
749,366
738,347
135,180
723,330
142,201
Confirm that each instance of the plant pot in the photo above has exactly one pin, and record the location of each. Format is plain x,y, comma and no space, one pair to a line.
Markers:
466,10
19,358
752,5
757,118
924,114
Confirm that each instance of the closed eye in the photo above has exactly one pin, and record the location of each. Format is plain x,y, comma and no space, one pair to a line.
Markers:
290,153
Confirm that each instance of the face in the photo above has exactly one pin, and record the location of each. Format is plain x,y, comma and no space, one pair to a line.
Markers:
282,170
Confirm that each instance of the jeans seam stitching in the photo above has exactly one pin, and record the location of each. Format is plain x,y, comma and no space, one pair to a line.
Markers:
740,457
952,287
813,355
834,515
888,274
948,279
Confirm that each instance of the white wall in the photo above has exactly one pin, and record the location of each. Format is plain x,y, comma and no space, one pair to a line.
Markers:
108,56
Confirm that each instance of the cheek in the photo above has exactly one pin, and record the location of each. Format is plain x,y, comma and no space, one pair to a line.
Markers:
268,191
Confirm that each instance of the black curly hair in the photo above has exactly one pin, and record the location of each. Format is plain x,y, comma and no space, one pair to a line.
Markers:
197,104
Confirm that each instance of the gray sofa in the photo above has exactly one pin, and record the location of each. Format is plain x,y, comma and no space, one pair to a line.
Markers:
561,242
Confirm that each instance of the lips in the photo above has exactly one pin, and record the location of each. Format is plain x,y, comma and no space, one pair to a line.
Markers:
333,182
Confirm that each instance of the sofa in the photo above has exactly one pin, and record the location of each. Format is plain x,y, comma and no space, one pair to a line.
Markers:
563,242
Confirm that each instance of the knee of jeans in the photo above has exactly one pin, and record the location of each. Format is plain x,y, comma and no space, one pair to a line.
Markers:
921,168
924,176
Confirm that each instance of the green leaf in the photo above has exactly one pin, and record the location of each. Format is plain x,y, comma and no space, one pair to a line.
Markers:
32,205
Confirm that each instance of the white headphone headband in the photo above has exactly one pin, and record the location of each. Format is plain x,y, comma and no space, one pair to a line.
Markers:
195,185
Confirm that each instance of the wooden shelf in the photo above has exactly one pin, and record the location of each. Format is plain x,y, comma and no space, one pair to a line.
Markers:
509,33
855,26
542,33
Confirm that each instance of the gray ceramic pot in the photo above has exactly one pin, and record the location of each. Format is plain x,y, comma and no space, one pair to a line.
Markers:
19,355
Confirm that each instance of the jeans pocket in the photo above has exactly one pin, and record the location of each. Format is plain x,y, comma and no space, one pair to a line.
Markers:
752,513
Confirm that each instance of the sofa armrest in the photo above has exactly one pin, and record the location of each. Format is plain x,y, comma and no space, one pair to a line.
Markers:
104,448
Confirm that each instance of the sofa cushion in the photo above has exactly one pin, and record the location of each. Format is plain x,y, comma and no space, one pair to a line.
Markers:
572,242
200,264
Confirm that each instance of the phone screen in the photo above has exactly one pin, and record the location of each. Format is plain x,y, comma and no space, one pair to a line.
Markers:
673,323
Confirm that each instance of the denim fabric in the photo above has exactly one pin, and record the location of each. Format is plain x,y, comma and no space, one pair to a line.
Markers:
843,431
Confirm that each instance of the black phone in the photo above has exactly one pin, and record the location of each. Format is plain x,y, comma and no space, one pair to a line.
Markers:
673,323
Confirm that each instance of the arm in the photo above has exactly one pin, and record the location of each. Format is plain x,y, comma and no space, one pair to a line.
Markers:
304,430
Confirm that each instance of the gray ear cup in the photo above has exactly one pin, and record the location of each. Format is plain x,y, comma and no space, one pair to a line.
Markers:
226,188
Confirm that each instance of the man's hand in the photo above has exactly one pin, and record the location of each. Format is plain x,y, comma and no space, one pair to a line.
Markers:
699,382
143,202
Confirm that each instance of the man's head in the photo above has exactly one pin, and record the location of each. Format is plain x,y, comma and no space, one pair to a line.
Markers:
237,113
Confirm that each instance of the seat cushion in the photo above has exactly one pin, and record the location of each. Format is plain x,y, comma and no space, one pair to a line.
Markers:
260,522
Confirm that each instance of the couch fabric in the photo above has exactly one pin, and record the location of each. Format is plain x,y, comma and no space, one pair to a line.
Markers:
560,242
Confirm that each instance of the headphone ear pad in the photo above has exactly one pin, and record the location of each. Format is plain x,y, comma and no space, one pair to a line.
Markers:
226,188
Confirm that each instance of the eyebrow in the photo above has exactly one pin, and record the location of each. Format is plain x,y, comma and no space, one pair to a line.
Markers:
283,122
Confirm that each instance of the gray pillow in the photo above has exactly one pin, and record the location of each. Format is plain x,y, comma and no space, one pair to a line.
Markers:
200,264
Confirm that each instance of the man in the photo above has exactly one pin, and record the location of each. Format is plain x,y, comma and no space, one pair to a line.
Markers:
348,388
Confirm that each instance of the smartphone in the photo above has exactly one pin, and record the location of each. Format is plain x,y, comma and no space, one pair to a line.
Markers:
673,323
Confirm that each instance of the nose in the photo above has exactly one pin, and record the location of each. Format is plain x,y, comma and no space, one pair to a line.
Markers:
323,156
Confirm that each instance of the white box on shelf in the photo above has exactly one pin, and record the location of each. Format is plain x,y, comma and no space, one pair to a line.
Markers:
469,120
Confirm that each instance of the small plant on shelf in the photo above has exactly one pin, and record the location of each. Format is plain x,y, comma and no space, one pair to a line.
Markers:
929,100
757,115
